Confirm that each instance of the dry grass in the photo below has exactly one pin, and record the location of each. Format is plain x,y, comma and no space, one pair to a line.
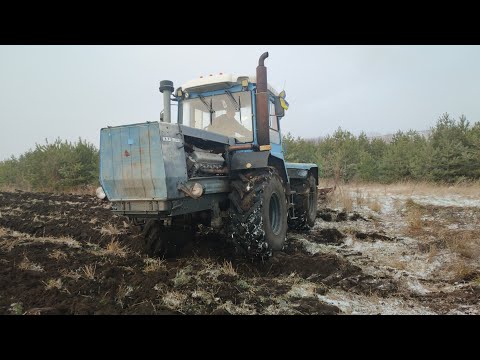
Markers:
53,284
182,277
11,188
89,271
346,202
432,252
414,220
9,244
57,255
398,205
227,268
398,264
114,248
207,263
463,188
414,216
465,243
174,300
301,289
26,264
360,198
203,296
409,188
3,232
375,205
460,270
240,309
83,190
153,265
68,241
110,229
72,274
122,293
340,198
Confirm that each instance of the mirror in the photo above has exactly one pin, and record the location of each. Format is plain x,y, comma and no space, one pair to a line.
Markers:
161,115
279,110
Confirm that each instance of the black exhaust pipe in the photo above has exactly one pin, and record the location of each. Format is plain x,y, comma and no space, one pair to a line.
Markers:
263,128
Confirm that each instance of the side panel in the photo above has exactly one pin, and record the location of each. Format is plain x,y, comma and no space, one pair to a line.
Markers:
131,162
174,157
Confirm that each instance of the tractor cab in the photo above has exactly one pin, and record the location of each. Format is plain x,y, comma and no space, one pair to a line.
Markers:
226,104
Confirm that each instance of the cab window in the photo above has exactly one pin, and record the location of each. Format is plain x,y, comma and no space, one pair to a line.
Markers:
274,133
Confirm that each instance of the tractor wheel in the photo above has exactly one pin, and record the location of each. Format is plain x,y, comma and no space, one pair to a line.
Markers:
155,243
305,205
258,213
166,242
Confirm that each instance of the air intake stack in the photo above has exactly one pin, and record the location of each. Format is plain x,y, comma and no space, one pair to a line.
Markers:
263,128
166,88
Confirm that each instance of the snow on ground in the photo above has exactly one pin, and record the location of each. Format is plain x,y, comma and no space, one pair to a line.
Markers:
354,304
417,273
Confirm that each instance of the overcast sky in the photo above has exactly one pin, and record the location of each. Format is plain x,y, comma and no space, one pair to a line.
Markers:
73,91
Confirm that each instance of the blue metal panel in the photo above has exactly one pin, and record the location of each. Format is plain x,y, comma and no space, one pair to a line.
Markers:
117,167
107,181
175,165
131,162
277,150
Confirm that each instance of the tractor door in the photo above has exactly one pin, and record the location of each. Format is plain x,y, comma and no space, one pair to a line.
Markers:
275,134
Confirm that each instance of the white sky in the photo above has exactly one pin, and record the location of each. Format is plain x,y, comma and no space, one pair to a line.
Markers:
73,91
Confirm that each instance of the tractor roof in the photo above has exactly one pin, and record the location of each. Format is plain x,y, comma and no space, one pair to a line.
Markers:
219,81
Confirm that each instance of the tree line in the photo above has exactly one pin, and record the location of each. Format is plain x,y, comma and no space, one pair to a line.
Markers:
56,166
450,153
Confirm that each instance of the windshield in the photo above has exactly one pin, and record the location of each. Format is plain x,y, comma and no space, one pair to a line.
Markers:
228,114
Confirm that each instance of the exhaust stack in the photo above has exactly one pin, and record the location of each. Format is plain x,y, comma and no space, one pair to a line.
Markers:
263,128
166,87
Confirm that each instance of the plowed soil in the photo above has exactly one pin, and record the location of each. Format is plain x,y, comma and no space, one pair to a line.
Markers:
68,254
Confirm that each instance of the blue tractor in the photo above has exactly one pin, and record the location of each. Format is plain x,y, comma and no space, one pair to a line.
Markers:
221,165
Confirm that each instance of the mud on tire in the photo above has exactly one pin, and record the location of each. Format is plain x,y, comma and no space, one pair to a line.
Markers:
160,241
154,243
305,205
258,213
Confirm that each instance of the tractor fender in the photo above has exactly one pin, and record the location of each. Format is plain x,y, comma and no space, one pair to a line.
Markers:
245,160
301,171
279,164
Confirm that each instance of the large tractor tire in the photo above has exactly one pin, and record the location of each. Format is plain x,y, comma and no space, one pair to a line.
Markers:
305,205
258,213
163,242
154,243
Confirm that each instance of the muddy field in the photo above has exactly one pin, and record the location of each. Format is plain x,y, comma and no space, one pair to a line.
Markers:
369,253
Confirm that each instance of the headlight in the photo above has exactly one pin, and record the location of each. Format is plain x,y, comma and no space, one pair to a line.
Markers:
302,173
187,95
197,190
100,193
